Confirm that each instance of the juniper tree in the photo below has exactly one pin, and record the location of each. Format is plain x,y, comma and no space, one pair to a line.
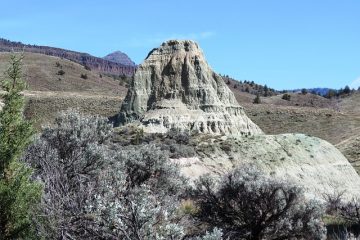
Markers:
257,99
18,193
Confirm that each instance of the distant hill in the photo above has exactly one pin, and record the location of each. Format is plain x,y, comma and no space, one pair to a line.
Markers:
251,87
85,59
49,73
120,57
318,91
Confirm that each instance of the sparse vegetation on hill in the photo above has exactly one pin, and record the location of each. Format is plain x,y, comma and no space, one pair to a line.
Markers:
249,87
42,73
88,61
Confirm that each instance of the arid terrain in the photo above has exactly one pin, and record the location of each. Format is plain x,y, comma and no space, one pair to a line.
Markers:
334,120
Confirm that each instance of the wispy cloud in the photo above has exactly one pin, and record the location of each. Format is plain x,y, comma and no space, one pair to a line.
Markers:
159,38
355,84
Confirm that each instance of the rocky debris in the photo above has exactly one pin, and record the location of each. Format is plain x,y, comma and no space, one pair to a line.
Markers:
120,57
314,164
175,87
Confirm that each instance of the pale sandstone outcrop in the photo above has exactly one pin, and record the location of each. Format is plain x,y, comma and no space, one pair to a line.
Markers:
175,87
312,163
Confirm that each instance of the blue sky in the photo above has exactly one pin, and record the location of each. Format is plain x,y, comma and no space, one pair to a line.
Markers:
282,43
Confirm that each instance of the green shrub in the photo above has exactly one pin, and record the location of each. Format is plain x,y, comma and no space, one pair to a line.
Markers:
286,97
19,194
257,99
61,72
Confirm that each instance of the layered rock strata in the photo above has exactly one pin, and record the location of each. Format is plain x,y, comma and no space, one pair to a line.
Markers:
175,87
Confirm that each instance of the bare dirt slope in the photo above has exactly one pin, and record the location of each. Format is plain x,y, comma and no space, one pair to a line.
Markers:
351,147
50,92
48,73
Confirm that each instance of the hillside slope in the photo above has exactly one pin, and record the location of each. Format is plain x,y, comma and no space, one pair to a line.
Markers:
335,121
48,73
85,59
50,92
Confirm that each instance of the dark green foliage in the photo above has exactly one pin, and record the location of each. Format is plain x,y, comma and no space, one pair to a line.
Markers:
19,196
266,91
330,94
181,137
257,99
18,193
61,72
304,91
84,76
15,132
286,97
347,90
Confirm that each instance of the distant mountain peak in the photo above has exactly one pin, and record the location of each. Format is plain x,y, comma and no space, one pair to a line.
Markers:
120,57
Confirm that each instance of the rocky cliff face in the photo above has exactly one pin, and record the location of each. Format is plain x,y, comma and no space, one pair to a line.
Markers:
120,57
175,87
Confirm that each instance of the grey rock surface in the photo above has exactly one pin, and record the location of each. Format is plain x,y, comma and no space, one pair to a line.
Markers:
175,87
120,57
311,163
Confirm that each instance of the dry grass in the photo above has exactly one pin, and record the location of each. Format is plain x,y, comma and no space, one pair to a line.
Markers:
41,73
42,107
337,121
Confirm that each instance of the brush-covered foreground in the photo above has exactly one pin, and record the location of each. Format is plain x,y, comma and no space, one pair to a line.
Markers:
122,184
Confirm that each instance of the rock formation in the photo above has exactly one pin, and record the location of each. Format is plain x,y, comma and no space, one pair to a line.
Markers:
175,87
312,163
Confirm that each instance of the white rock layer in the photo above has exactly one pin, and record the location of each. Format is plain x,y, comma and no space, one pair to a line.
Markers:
312,163
175,87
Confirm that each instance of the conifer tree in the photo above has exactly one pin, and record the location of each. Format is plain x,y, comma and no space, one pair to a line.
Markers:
18,193
257,99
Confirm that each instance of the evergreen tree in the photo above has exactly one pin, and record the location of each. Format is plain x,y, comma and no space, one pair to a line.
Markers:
304,91
347,90
18,193
266,91
257,99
